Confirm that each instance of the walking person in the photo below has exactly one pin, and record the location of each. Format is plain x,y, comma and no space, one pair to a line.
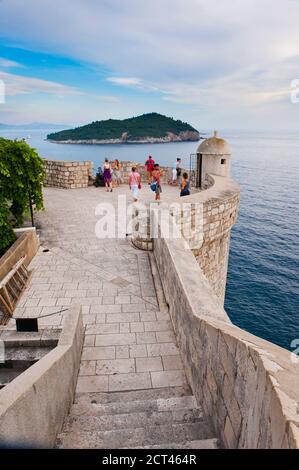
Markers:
150,163
185,185
116,175
156,181
107,174
178,170
135,183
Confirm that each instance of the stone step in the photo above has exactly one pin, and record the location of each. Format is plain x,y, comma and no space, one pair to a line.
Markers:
134,437
201,444
131,420
135,395
186,402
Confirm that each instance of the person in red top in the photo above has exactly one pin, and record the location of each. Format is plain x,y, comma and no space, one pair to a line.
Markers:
156,178
150,163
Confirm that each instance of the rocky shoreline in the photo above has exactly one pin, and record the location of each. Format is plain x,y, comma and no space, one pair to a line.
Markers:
187,136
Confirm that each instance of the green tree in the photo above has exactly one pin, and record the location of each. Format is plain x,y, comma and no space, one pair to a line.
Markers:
7,235
21,178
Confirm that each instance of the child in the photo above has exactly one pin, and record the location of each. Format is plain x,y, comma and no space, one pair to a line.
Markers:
185,185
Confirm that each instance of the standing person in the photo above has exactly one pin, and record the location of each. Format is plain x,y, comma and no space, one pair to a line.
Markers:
135,183
116,175
107,174
178,170
156,180
174,173
185,185
150,164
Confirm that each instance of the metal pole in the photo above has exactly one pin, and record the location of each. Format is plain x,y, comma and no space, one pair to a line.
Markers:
31,210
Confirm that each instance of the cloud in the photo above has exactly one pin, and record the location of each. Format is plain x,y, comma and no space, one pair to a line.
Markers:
223,55
125,81
20,85
5,63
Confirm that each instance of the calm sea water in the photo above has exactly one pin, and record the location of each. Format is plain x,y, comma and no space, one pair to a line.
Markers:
262,292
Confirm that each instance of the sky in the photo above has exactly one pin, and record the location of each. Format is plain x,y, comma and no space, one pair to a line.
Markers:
227,64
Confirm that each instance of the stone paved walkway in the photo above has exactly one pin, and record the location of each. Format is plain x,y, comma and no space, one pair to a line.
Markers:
129,341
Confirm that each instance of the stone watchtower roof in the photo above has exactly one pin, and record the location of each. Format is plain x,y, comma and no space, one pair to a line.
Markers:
214,146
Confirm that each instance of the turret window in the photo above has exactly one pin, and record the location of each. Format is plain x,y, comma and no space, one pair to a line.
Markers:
223,161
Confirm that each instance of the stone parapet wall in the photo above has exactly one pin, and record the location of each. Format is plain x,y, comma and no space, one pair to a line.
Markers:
67,174
205,220
127,167
248,387
34,405
26,245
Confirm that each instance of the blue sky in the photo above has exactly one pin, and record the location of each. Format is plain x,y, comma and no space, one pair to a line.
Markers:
223,65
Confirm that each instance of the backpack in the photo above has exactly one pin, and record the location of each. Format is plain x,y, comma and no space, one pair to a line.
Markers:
154,186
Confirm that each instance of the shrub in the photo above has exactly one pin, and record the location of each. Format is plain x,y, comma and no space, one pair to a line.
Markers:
21,178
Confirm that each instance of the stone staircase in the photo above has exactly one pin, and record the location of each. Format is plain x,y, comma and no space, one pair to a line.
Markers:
163,418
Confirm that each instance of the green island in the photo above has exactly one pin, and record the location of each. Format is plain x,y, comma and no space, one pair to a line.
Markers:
147,128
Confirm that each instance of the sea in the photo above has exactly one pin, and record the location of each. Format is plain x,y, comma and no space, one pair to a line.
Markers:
262,293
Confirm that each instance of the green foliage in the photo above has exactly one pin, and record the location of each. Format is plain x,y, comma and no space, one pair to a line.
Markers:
7,235
147,125
21,177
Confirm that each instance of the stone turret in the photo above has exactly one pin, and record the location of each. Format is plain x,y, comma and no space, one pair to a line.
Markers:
213,157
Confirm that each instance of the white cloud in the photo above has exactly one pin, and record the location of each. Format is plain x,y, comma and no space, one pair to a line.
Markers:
125,81
224,55
20,85
5,63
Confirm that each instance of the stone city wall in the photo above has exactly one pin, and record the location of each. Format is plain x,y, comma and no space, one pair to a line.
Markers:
67,174
205,225
34,405
248,387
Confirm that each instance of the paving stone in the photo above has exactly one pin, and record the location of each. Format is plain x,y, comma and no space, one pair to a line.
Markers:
172,362
102,329
162,349
119,366
122,352
168,378
117,339
94,383
148,364
89,319
135,381
157,326
165,336
137,327
130,308
138,350
148,316
145,338
124,327
107,309
122,317
87,368
93,353
89,340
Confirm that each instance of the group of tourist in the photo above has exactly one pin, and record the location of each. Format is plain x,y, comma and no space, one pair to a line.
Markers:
112,174
112,177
